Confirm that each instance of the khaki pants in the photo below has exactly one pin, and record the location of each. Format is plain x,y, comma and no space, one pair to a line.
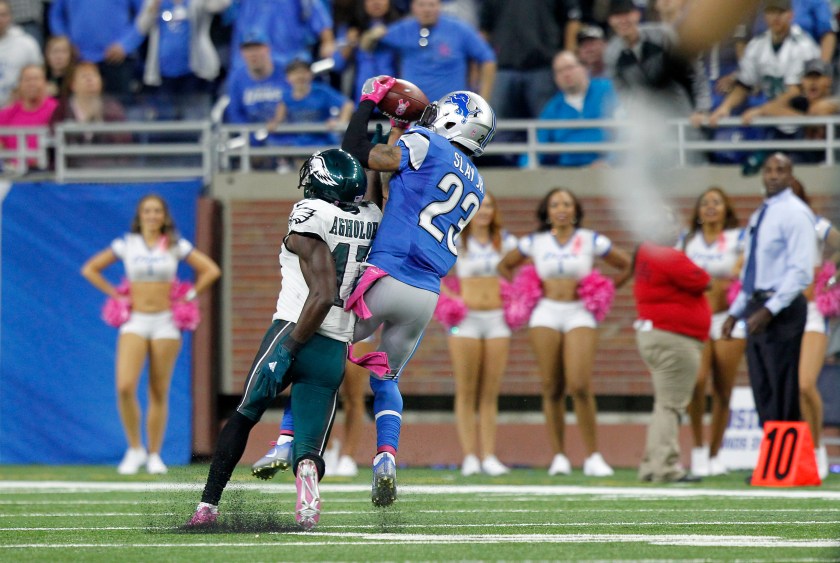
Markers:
673,361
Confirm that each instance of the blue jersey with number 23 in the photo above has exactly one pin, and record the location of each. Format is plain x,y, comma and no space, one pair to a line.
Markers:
431,198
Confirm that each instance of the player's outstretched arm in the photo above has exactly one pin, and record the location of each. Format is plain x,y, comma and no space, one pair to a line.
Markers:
379,157
318,269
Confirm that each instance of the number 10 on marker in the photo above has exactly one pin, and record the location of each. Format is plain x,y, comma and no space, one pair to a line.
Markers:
786,457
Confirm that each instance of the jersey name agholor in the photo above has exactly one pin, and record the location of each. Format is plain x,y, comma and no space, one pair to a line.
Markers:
349,235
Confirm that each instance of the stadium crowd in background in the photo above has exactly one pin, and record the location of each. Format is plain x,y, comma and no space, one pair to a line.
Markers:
170,59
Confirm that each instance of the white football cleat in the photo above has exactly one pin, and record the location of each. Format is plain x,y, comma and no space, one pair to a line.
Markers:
277,459
595,466
384,487
308,507
560,466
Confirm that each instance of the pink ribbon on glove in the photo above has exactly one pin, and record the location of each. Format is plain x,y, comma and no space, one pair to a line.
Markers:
356,301
377,362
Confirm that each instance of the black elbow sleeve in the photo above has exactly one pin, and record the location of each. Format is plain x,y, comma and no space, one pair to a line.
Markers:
355,140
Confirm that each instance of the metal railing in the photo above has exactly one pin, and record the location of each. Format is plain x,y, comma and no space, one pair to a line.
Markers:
18,160
189,149
148,151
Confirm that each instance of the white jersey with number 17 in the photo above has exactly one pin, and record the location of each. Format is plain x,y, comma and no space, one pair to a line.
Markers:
348,234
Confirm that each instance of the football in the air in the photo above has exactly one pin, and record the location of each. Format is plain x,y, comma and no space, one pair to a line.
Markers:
404,102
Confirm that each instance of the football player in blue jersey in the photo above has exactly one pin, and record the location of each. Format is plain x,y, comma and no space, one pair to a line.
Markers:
433,193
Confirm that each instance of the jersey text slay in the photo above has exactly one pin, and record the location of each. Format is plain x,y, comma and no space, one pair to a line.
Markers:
468,170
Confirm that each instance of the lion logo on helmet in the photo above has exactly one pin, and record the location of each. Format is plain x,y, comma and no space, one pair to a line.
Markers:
462,102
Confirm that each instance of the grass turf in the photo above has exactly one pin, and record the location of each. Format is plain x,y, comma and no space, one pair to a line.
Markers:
74,513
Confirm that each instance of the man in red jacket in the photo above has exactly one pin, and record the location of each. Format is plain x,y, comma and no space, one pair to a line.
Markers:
673,322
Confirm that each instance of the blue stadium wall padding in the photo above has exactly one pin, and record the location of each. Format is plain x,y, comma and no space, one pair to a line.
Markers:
57,389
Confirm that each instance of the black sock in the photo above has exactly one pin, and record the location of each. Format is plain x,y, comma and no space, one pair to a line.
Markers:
232,441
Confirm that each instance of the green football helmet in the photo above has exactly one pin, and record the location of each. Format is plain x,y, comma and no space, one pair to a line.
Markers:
334,176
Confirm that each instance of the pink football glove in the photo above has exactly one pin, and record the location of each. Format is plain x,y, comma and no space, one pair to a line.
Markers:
376,88
399,124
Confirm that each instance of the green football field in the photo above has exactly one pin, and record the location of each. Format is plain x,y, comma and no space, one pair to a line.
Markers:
78,513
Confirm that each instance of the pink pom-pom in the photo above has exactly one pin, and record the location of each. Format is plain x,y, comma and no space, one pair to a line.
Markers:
185,314
597,292
450,311
521,296
733,290
827,298
116,310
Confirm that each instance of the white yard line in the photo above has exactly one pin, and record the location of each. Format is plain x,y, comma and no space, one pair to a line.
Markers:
582,524
355,538
22,487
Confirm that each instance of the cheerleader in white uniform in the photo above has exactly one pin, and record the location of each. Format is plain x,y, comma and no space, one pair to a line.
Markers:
150,253
815,342
479,345
715,242
563,332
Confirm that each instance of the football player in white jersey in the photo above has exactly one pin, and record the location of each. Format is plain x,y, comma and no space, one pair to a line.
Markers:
330,233
715,242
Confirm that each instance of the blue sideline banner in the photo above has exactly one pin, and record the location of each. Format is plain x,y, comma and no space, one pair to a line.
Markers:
57,357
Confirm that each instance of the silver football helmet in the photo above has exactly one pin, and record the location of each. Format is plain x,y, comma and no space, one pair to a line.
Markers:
462,117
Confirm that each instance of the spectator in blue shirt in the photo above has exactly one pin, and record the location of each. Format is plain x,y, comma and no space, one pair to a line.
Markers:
435,51
181,61
103,31
580,97
256,89
307,101
292,27
373,60
778,266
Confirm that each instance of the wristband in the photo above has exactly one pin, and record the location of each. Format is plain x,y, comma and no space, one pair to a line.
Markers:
191,294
